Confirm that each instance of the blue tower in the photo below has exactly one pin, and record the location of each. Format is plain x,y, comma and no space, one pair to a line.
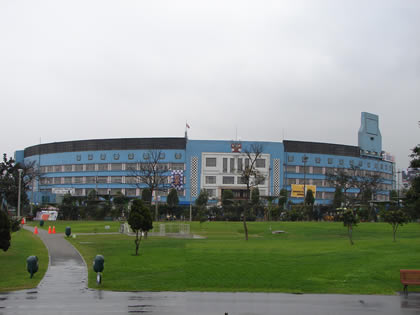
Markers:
370,139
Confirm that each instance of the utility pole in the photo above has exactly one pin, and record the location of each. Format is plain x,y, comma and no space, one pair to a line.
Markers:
305,159
19,191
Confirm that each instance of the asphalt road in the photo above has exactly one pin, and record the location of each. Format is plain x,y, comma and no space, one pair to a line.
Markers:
63,291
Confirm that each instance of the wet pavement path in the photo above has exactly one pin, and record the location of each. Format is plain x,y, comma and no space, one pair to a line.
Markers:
63,291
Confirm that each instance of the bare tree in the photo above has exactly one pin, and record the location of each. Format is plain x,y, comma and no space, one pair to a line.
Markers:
151,173
364,184
251,177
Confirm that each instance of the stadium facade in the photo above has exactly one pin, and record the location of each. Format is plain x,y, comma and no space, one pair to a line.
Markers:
110,165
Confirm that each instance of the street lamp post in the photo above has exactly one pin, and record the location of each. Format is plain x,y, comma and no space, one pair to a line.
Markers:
19,191
305,159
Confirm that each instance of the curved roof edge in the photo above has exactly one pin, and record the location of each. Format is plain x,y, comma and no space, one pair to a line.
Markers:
107,144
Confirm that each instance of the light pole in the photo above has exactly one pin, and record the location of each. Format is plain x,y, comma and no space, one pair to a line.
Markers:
304,159
19,191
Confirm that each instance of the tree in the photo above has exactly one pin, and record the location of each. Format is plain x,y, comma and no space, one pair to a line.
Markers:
120,205
251,177
282,198
9,180
69,207
4,231
412,200
309,204
350,220
172,200
338,197
146,195
201,203
140,220
396,218
415,162
363,183
151,173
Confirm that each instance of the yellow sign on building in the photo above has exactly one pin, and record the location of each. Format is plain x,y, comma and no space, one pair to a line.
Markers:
297,190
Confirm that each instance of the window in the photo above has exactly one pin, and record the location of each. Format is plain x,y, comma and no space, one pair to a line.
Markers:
68,180
57,168
103,156
317,160
103,167
247,163
260,163
368,164
225,165
232,165
317,170
210,179
240,165
103,191
351,162
57,180
291,181
290,158
146,156
78,157
210,162
161,156
177,166
330,161
102,179
341,162
90,179
178,156
228,180
116,156
130,191
78,192
90,156
131,166
90,167
130,180
116,167
131,156
68,168
116,179
241,181
291,169
78,168
382,166
305,159
78,180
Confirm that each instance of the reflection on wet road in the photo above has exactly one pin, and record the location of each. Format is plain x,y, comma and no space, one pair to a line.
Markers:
63,291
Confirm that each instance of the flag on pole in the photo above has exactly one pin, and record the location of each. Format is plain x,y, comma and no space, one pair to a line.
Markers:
186,125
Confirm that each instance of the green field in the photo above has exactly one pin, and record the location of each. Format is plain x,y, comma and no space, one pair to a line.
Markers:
14,275
311,257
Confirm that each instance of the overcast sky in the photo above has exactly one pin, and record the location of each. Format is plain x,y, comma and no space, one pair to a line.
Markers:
262,70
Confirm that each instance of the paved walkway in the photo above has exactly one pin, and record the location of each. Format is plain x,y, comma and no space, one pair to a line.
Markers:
63,291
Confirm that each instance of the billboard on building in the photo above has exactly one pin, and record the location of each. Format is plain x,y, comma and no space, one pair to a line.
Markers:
297,190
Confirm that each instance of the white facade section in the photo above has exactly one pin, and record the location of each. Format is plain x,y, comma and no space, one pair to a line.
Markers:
223,171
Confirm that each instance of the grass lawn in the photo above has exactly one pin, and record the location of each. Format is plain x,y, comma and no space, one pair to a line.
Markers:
311,257
14,275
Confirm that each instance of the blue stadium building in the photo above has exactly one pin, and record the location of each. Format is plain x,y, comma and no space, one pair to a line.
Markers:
110,166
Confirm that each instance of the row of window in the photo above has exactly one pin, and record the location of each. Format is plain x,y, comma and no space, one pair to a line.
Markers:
325,183
131,192
382,166
233,164
228,180
326,170
108,167
130,156
95,180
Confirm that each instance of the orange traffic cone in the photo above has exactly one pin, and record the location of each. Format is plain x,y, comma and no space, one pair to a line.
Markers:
23,221
53,230
35,230
49,229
